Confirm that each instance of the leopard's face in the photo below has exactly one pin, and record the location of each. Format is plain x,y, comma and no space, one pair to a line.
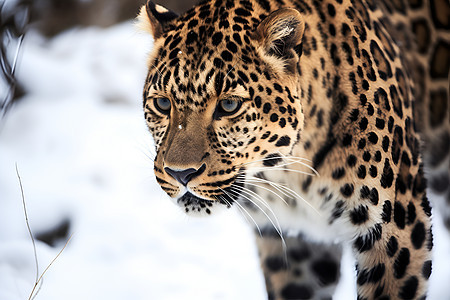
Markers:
219,107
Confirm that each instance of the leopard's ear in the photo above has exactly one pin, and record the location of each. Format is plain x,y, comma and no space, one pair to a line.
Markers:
154,18
281,33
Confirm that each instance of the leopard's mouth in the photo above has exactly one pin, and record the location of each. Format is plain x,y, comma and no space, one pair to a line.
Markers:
225,197
196,205
193,204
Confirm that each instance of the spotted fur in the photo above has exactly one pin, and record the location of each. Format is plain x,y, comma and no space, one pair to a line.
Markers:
301,114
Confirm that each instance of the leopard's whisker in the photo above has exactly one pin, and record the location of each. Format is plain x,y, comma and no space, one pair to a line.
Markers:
299,160
278,186
232,68
147,154
279,229
295,157
293,193
242,210
290,159
264,159
267,189
281,168
272,185
304,164
225,200
238,193
238,190
157,70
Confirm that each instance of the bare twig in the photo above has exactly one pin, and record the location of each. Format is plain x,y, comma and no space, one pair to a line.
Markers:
45,271
39,279
28,224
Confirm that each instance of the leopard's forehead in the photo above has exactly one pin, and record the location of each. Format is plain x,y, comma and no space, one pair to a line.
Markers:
206,53
226,17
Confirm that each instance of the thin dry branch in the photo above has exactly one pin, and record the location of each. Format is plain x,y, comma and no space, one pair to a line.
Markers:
39,279
28,224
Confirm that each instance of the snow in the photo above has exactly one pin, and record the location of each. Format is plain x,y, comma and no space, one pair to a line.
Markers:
84,154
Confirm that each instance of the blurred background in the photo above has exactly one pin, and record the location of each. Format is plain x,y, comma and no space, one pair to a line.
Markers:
71,122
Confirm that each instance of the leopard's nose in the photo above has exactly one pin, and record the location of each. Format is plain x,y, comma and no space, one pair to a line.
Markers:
185,175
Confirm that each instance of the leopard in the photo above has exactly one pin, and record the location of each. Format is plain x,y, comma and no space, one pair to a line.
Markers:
319,121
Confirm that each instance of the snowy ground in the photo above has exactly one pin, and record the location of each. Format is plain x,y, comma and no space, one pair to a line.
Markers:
84,155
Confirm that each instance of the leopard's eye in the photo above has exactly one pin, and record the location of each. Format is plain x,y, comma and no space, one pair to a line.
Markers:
228,107
162,105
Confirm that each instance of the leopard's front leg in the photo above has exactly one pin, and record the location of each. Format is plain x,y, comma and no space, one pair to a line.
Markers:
299,269
394,256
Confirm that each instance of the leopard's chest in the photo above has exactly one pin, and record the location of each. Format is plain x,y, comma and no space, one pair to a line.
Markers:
277,200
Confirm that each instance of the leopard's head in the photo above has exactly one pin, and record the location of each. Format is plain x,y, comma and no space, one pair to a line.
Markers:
221,98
